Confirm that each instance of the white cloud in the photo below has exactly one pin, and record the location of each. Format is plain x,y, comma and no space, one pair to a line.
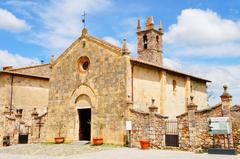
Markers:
220,50
15,60
218,74
112,40
10,22
203,33
62,21
131,45
196,26
174,64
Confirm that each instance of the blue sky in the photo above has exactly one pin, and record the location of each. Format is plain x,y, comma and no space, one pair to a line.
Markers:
201,37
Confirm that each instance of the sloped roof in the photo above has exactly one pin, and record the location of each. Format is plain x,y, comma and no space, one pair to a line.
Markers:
24,74
166,69
101,42
28,67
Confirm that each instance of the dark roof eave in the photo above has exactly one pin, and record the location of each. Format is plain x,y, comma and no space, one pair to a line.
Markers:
24,74
167,69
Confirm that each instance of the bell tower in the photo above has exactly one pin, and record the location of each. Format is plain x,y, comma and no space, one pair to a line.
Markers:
150,47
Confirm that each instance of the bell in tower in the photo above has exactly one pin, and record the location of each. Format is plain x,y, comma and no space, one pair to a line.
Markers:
150,42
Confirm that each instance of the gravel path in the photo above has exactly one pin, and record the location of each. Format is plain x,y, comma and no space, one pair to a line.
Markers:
71,151
52,149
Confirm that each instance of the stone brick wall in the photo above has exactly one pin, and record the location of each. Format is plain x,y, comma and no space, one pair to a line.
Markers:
147,126
194,130
24,93
14,124
104,83
198,128
235,115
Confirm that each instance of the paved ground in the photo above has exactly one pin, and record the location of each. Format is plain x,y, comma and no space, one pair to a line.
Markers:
75,151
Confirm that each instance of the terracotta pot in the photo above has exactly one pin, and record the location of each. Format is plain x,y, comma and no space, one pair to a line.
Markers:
144,144
97,140
59,140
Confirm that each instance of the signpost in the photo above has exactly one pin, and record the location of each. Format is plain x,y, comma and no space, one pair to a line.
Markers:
129,128
220,126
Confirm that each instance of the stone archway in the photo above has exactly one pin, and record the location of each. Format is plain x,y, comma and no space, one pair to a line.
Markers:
83,102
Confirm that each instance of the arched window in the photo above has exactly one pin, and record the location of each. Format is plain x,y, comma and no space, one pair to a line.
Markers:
145,41
174,84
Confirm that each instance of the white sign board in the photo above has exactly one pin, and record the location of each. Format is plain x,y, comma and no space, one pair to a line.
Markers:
219,125
128,125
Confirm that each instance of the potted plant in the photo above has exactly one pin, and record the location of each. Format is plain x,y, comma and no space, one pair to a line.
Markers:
60,139
98,140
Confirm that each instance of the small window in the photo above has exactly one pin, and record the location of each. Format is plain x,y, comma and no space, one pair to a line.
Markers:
145,40
174,84
191,88
83,64
157,39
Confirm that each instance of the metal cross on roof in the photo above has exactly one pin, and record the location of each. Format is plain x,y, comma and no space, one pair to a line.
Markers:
84,19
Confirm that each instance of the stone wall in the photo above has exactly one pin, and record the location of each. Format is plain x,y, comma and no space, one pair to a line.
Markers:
235,115
13,125
147,126
193,130
20,93
104,83
194,127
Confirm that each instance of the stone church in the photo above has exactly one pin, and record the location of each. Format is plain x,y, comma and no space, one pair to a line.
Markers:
88,90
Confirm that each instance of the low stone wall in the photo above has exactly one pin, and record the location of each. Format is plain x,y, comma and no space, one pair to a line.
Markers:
199,124
147,126
14,124
235,115
194,127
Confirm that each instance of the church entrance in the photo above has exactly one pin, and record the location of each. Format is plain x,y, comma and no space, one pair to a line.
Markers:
84,124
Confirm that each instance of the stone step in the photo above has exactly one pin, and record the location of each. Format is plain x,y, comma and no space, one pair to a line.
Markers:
82,142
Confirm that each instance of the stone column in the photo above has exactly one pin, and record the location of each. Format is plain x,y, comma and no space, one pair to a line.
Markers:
226,99
191,109
152,130
33,136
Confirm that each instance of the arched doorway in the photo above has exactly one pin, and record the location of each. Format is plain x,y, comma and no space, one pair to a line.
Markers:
83,105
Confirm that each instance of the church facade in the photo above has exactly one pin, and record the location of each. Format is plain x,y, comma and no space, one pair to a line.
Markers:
96,78
93,85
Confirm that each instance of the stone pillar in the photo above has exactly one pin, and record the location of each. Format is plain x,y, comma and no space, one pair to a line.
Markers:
152,130
33,136
226,99
191,109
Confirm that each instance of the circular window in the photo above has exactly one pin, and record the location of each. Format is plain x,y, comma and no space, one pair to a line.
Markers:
83,64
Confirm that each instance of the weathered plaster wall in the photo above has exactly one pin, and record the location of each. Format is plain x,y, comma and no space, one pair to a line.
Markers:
175,99
146,86
199,91
30,93
27,93
104,83
5,90
149,83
